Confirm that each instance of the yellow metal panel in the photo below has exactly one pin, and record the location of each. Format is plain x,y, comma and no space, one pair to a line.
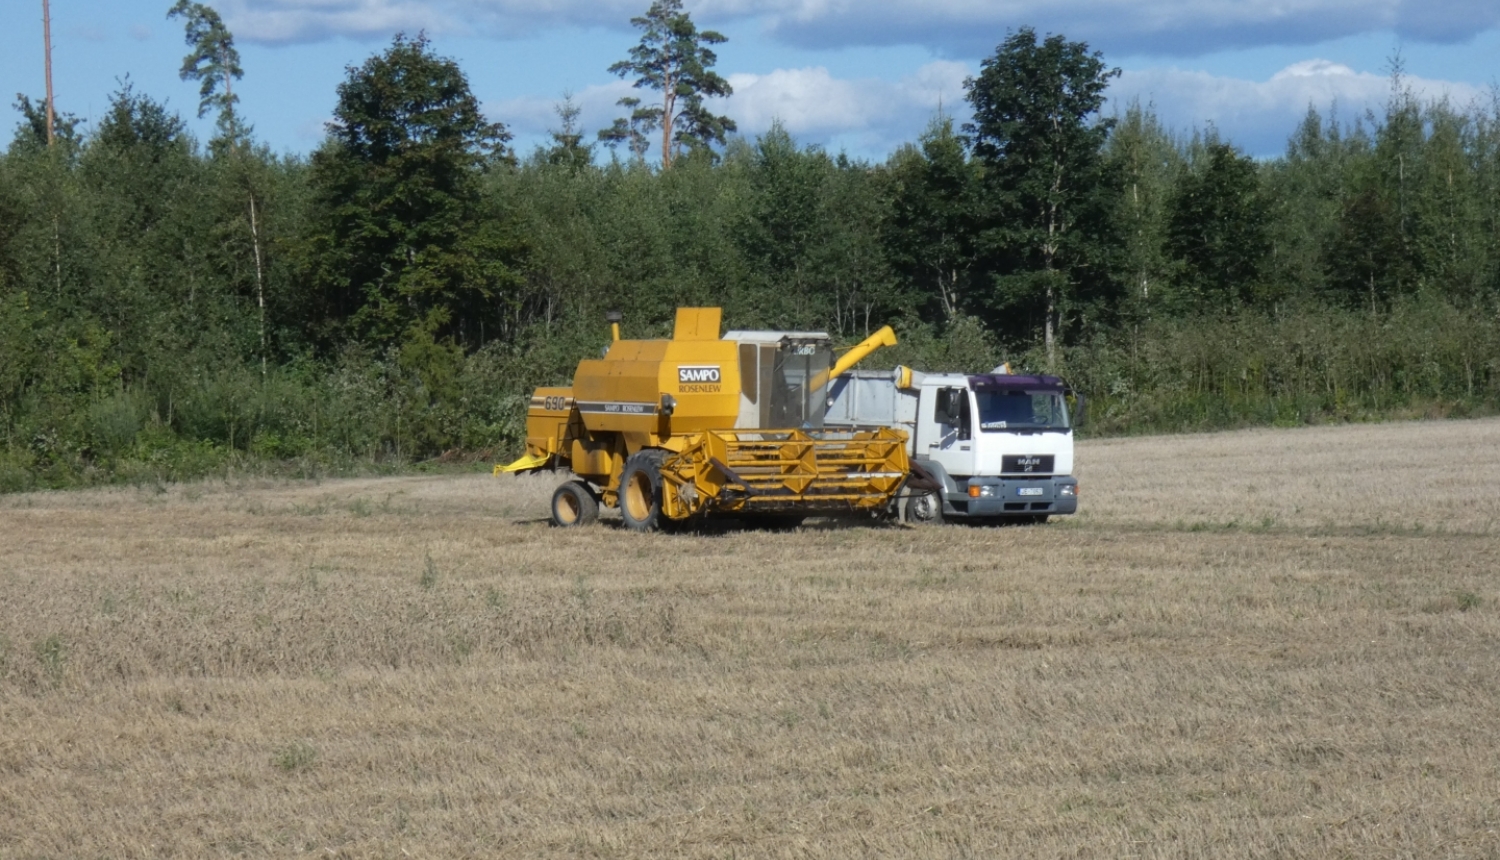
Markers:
526,463
697,324
594,460
547,420
622,393
632,350
704,378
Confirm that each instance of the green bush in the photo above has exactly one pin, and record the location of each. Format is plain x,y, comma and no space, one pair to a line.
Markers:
1306,365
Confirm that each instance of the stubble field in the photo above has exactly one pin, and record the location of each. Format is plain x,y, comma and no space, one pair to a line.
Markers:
1256,644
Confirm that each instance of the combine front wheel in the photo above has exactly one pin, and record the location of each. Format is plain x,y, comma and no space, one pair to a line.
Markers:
640,491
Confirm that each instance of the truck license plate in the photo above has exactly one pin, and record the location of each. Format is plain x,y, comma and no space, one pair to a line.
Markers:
1029,491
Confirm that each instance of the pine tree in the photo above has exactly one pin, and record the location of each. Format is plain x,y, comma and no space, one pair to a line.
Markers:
1217,228
673,58
213,62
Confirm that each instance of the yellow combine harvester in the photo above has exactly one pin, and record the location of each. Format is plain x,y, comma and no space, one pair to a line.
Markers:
671,430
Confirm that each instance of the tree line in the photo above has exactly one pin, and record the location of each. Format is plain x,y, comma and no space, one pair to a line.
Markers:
172,307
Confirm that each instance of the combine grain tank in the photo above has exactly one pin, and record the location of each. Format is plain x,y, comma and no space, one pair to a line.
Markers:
703,425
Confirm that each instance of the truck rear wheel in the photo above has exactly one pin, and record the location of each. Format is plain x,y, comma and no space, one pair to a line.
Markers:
640,491
574,504
925,509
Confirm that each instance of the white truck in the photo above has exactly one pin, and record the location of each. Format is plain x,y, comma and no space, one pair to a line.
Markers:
988,446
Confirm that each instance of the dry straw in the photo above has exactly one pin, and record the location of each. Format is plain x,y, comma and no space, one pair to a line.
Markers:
1269,643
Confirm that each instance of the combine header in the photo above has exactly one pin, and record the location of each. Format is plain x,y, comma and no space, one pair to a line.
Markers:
699,425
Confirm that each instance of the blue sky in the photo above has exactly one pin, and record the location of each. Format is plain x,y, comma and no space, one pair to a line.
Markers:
860,76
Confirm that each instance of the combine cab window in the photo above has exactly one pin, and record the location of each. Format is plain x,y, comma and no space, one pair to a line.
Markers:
749,373
1021,410
793,402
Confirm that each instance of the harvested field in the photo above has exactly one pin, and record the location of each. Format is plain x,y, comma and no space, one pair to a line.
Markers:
1257,644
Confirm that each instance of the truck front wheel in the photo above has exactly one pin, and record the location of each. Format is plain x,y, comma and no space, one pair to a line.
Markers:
925,508
640,491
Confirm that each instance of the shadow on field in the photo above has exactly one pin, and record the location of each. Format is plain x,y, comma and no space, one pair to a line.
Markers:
721,526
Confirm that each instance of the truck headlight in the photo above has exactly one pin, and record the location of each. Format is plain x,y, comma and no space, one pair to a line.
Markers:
1068,490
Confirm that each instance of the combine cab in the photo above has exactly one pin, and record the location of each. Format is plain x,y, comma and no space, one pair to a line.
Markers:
699,425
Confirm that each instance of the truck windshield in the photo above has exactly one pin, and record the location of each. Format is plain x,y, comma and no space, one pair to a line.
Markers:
1021,410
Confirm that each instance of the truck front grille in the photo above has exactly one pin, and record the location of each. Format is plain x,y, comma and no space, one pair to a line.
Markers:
1030,465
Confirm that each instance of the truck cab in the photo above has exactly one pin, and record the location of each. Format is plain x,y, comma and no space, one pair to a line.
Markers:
992,445
1000,445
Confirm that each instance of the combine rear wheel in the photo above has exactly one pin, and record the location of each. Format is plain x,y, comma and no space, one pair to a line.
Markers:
640,491
574,504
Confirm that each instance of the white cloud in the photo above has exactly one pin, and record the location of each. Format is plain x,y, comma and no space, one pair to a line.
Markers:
872,115
1175,27
531,117
282,21
811,101
954,27
875,116
1259,116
